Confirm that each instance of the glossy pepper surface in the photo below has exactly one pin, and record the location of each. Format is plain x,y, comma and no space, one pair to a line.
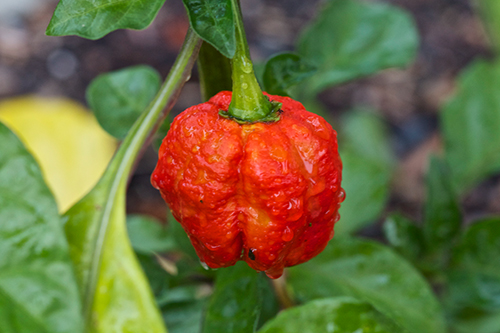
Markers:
266,193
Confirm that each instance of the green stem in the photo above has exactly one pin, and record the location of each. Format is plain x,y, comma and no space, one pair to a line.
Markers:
122,163
281,291
165,99
214,70
149,122
248,103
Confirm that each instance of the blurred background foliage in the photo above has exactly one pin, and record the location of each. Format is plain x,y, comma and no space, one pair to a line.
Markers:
406,101
417,110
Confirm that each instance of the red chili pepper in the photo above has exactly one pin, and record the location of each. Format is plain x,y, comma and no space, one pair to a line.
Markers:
266,193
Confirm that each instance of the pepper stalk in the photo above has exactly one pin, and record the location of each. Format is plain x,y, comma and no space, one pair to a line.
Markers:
248,103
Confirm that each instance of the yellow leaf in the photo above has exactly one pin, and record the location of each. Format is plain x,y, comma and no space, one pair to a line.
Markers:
66,140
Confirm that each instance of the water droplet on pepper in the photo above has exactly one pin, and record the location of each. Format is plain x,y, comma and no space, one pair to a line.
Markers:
341,195
287,235
332,233
204,265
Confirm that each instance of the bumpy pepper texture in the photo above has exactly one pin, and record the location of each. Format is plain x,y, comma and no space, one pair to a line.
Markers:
266,193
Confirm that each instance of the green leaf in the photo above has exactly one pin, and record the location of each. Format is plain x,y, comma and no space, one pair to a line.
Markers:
470,123
38,291
350,39
117,297
180,236
270,303
404,236
94,19
158,278
172,288
479,253
147,235
370,272
213,21
183,304
473,297
490,12
236,303
284,71
368,164
477,323
184,317
118,98
334,315
443,218
115,290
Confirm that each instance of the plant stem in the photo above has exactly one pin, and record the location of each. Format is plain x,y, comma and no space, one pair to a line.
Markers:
214,70
149,121
113,182
279,286
170,90
248,103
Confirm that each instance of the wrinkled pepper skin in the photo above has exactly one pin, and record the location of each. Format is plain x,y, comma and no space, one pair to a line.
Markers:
266,193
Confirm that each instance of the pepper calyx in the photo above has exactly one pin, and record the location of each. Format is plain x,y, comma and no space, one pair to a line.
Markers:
272,117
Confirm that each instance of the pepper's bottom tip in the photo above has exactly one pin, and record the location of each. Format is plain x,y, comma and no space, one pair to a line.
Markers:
274,273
